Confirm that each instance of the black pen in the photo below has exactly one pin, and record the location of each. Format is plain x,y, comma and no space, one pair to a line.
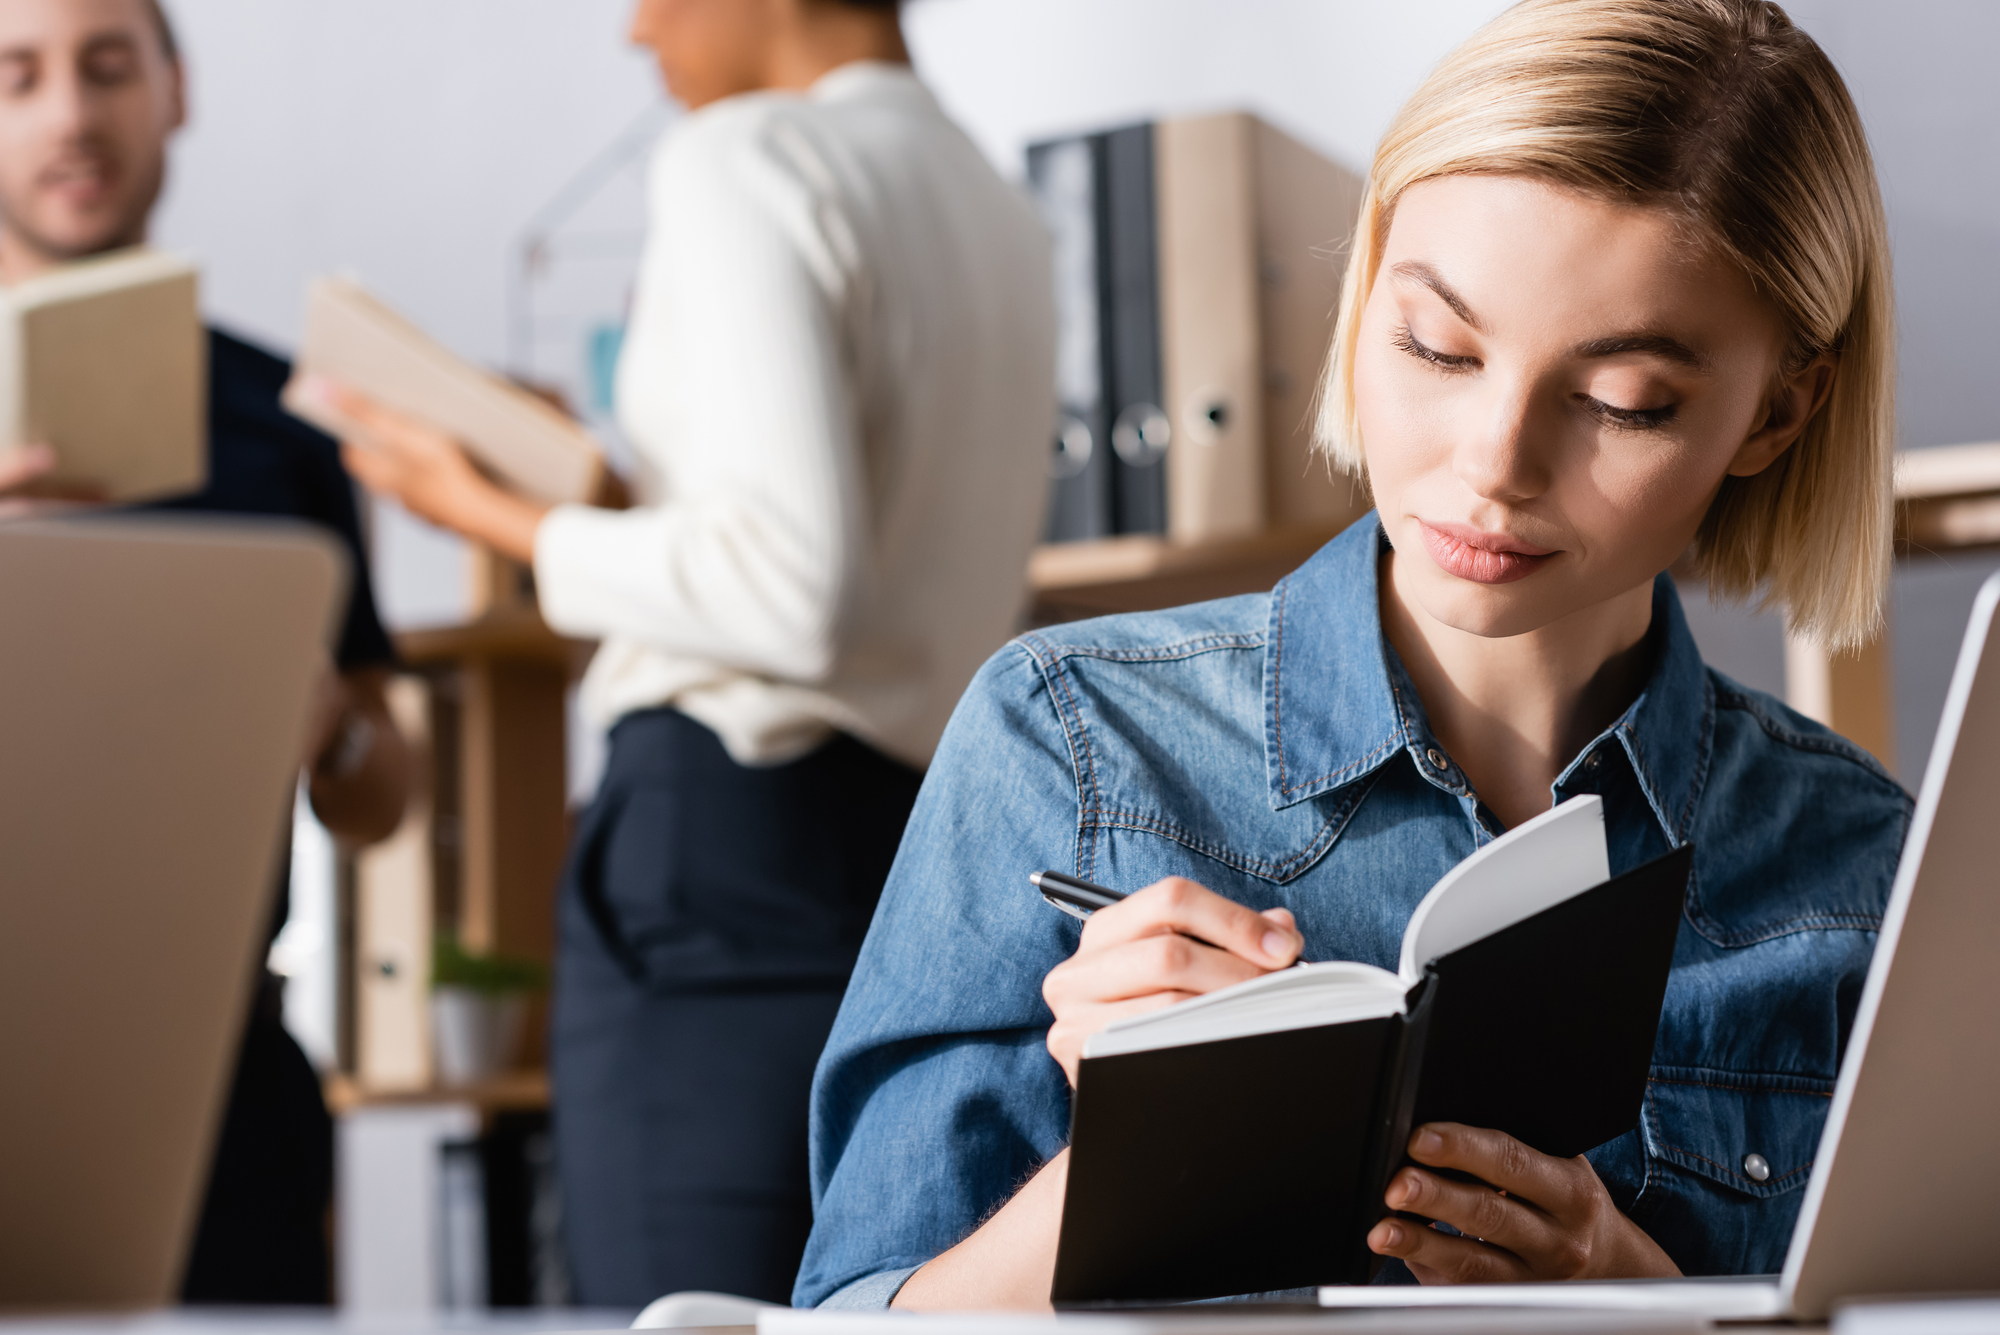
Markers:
1073,895
1080,898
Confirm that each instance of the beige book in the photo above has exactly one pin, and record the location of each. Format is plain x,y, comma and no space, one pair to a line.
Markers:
352,338
105,362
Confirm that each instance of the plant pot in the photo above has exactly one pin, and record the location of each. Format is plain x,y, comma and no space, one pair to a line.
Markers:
475,1035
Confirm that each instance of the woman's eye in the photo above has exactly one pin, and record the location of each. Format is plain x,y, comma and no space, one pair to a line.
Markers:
1631,419
1444,361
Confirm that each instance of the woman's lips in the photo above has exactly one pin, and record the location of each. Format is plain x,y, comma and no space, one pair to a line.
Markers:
1483,558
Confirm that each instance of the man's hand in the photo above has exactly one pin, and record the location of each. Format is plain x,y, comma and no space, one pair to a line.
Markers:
1171,941
27,493
429,474
1541,1217
357,762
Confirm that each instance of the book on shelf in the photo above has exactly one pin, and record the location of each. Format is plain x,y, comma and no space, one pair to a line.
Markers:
1240,1142
105,361
355,339
1197,270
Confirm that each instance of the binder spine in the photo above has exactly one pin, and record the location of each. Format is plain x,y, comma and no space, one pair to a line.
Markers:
1066,177
1140,430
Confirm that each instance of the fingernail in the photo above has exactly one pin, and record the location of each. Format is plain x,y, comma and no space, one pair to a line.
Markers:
1428,1142
1277,945
1401,1192
1392,1236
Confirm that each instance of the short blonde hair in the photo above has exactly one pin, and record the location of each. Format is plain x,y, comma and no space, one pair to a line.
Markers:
1726,113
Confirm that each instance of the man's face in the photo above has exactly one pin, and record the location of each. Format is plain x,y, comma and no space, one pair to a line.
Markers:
87,99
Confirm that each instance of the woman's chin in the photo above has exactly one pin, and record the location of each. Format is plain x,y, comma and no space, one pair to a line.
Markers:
1490,611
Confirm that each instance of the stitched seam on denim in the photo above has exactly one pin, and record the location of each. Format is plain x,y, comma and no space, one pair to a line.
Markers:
1645,1152
1804,922
1116,818
1162,653
1745,1088
1277,651
1648,785
1080,762
1666,1149
1254,866
1730,1173
1704,758
1830,746
1347,770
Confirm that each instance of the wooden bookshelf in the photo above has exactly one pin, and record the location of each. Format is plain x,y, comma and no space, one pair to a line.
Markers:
480,849
1947,501
515,1091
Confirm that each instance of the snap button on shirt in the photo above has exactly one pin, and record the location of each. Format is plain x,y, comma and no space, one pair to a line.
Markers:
1436,758
1755,1168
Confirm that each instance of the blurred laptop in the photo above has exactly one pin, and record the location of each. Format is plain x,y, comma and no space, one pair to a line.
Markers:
1904,1196
155,682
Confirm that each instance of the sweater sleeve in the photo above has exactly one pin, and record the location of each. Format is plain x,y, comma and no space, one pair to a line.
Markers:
734,385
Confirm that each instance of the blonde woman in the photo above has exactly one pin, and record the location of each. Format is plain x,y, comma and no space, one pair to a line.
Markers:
1620,289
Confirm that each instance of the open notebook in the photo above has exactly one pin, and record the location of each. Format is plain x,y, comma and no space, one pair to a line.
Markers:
1526,998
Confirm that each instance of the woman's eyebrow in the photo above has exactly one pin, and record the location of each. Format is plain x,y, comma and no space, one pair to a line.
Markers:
1419,272
1657,345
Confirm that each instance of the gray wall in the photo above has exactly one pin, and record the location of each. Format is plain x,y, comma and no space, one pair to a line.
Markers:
414,139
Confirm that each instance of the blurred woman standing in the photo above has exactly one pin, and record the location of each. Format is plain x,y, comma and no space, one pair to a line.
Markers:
838,380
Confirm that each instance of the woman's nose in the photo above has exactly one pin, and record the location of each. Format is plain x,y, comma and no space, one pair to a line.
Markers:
1498,455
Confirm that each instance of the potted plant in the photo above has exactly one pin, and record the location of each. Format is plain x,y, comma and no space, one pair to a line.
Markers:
479,1005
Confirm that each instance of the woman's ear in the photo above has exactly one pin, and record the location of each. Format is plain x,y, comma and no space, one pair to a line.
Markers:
1791,405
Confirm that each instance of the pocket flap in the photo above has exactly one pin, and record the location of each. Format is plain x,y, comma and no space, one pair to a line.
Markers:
1756,1134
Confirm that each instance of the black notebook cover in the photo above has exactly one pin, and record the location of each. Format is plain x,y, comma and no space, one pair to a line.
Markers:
1258,1163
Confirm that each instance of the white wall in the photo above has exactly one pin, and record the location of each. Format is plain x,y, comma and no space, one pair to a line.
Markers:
413,140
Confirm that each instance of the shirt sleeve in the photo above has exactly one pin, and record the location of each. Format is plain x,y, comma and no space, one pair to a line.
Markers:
936,1097
736,375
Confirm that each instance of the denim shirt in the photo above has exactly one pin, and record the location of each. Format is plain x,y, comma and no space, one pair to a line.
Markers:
1271,748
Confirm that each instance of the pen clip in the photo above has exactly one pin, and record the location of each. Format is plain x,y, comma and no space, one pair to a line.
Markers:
1073,910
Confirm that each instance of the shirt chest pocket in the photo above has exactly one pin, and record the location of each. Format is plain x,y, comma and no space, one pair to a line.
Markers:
1753,1134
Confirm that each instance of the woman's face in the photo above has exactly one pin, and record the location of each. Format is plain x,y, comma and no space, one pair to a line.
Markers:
1551,389
707,49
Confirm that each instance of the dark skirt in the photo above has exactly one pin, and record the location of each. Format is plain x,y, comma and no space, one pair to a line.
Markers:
710,916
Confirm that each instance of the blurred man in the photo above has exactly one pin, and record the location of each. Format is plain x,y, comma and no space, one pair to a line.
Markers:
90,92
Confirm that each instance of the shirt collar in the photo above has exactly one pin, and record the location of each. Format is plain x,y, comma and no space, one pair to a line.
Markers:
858,78
1338,706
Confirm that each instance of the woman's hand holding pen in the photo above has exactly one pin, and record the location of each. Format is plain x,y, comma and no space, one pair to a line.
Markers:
1530,1216
1170,941
429,474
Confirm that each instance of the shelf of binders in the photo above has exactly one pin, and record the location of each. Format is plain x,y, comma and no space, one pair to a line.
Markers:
481,844
1197,266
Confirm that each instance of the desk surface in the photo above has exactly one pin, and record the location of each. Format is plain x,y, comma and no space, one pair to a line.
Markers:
1948,1317
318,1321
